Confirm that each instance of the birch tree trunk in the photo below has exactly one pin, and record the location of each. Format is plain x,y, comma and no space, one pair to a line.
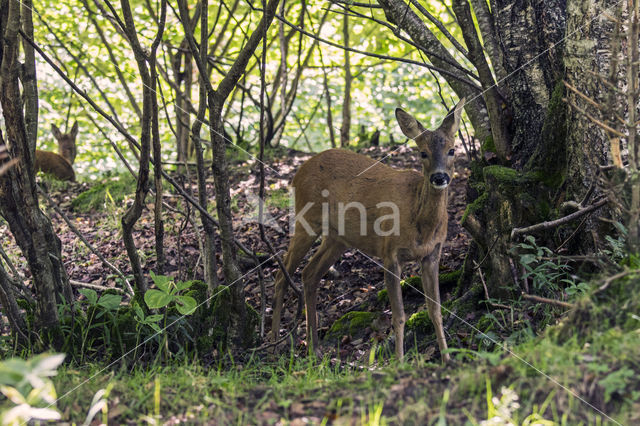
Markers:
542,156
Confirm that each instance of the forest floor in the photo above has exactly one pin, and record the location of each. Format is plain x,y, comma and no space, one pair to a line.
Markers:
537,360
352,286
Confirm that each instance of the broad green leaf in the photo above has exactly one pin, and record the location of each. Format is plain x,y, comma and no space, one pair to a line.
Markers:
186,304
91,295
12,371
139,312
182,285
153,318
110,302
157,299
161,281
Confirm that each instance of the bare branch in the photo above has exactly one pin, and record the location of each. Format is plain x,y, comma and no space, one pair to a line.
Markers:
554,223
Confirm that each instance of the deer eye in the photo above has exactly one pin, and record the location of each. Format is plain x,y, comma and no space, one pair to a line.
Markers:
423,154
451,152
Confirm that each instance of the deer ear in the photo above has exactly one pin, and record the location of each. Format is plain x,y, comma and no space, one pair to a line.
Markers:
74,130
451,122
56,131
409,125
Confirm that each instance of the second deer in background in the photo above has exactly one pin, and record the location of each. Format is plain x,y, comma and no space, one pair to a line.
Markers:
59,165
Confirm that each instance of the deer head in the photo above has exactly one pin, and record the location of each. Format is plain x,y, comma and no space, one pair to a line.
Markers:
436,147
66,142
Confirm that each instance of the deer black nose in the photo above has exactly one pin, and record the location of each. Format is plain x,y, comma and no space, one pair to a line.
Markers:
440,180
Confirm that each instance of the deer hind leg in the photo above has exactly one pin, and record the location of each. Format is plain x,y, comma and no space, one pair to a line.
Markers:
392,283
432,292
327,254
300,244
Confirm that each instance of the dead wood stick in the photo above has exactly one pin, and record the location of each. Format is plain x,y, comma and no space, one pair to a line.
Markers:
486,291
554,223
596,121
289,334
612,278
95,286
547,301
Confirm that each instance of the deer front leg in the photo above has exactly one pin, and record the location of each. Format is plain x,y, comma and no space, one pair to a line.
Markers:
432,292
392,282
328,252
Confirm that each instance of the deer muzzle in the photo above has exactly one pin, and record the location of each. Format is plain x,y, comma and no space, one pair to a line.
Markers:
440,180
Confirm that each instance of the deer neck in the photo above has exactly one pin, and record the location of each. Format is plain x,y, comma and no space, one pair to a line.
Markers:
431,204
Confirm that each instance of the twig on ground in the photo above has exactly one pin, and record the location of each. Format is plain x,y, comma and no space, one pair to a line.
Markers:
547,301
268,345
95,286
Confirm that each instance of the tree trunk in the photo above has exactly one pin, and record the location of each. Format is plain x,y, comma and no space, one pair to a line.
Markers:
181,66
18,197
346,104
519,117
11,309
584,59
529,32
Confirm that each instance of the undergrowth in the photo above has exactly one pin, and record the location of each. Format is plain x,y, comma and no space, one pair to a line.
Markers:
583,370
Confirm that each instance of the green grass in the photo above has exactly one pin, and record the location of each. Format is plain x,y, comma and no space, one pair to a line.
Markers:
585,363
240,394
280,198
111,193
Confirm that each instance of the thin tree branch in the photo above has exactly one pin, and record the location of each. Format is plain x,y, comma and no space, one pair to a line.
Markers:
555,223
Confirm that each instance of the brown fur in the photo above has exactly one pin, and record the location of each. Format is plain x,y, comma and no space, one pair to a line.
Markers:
55,165
59,165
422,212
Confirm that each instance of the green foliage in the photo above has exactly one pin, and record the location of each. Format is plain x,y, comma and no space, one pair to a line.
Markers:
449,278
477,205
409,286
97,328
30,393
109,194
280,198
103,328
420,323
549,275
168,291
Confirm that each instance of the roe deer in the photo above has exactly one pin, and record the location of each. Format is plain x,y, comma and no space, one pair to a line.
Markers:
396,215
59,165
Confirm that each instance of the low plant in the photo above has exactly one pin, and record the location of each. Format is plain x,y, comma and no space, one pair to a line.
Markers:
170,292
101,317
29,390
